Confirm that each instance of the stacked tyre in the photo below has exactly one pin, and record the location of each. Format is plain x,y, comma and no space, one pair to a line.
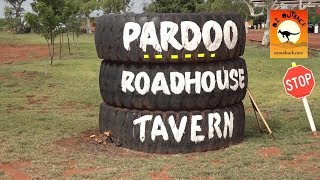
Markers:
172,83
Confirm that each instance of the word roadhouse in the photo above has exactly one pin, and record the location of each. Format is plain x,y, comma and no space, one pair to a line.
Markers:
179,82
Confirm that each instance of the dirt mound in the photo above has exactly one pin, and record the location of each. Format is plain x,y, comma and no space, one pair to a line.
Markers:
93,141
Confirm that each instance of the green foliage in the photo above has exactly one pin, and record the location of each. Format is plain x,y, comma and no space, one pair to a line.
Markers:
173,6
45,19
16,7
73,24
230,6
113,6
13,14
204,7
259,19
2,23
88,6
9,19
71,15
178,6
314,18
69,9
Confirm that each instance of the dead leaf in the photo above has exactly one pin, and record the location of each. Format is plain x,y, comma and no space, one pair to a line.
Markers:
107,133
92,136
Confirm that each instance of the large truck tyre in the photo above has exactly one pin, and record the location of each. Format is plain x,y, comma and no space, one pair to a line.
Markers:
174,38
174,131
173,86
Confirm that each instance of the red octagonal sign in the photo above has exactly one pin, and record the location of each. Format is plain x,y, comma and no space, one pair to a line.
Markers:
298,81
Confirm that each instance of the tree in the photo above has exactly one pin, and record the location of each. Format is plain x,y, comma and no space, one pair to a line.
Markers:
13,15
69,18
230,6
9,17
45,20
205,6
73,24
2,24
269,4
314,18
113,6
86,8
108,6
173,6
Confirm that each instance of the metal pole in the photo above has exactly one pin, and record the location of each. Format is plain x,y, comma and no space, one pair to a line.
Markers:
300,4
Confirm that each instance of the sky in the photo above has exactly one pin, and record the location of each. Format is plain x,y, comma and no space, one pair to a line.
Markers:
137,6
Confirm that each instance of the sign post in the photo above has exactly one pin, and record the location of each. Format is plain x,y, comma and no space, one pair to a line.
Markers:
299,83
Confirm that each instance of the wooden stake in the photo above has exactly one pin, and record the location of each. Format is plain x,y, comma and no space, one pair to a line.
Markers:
256,108
255,113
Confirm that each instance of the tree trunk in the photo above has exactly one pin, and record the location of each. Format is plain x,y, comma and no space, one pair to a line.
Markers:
52,44
88,26
77,41
49,49
266,34
60,51
73,44
69,42
53,53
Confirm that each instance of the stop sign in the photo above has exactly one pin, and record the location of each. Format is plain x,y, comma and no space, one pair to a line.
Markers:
298,81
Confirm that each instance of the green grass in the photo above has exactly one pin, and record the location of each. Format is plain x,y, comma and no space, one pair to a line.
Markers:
36,111
36,39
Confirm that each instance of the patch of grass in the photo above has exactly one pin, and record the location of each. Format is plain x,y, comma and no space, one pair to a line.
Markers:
37,111
32,38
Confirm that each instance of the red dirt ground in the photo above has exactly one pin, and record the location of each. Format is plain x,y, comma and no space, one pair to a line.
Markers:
270,151
300,163
84,142
256,35
11,53
162,175
72,170
13,170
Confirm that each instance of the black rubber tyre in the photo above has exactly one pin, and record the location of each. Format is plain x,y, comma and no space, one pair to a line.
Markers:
112,94
110,45
120,122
